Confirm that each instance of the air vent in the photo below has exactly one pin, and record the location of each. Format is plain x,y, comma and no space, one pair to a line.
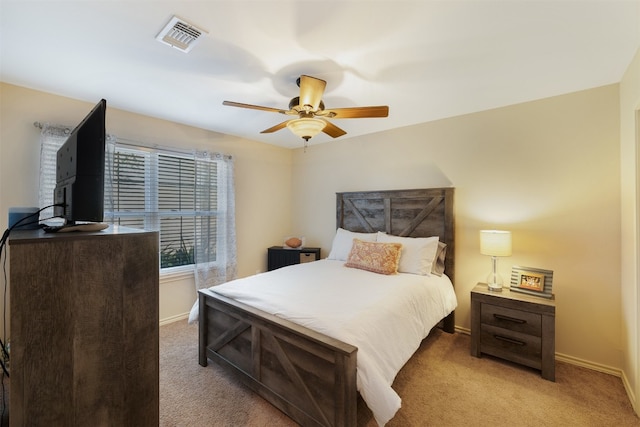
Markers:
180,34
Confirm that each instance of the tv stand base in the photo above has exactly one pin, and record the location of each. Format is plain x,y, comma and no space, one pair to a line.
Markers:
92,226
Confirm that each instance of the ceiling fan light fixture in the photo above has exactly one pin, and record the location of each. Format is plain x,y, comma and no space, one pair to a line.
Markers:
308,106
306,127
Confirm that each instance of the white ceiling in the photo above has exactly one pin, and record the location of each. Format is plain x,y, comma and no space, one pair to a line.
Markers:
426,60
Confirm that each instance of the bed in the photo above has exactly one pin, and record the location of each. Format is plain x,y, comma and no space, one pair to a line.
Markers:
297,362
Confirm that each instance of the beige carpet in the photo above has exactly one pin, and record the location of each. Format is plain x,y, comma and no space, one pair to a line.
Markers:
442,385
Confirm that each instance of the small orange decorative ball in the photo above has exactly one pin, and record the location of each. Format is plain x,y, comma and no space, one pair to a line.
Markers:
293,242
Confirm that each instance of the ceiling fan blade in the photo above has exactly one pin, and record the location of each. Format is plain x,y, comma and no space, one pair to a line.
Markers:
333,130
276,127
356,112
311,91
254,107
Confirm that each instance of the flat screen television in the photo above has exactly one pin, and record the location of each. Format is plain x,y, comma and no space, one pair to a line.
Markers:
79,192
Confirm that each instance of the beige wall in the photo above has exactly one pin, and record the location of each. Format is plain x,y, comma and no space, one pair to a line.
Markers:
630,190
547,170
263,174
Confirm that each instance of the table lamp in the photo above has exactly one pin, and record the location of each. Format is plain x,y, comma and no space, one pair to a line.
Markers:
495,243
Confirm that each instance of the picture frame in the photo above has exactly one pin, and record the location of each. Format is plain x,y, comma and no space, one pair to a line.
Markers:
532,281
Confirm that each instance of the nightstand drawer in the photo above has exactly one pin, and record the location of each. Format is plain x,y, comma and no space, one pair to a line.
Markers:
514,320
308,257
509,344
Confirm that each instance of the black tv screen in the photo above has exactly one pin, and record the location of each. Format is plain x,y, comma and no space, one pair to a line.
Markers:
79,192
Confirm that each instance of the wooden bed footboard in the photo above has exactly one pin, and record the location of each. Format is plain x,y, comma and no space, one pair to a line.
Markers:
309,376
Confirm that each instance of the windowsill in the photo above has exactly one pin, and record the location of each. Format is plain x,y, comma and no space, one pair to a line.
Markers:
176,273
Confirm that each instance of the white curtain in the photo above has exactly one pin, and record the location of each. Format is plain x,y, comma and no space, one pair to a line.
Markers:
216,261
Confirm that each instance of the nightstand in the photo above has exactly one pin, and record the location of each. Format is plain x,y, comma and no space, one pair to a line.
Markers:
514,326
279,256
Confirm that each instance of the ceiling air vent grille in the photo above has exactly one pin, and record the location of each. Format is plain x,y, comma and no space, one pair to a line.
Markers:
180,34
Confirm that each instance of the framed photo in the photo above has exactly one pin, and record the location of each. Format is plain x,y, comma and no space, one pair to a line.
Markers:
532,281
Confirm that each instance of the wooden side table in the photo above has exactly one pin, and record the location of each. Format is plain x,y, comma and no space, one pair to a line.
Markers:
515,327
279,256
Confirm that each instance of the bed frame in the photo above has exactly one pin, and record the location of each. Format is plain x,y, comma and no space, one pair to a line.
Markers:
309,376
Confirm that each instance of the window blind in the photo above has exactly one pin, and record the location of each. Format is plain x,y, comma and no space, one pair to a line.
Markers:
156,190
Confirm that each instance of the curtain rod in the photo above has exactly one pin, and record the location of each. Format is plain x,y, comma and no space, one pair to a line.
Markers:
41,125
138,144
148,146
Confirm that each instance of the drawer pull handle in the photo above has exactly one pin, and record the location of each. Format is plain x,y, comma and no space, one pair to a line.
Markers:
509,319
509,340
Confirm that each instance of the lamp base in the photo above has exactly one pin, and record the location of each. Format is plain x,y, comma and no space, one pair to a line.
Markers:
494,287
494,281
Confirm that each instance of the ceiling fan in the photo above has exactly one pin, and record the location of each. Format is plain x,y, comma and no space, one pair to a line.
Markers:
312,116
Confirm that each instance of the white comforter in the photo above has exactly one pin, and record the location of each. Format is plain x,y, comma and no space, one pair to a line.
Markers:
386,317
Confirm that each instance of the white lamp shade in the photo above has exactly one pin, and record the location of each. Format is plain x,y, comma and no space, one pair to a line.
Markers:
306,127
495,242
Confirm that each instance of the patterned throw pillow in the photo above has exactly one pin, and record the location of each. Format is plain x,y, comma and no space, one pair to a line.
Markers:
382,258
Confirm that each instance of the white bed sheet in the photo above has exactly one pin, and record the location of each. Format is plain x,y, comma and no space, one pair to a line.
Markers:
386,317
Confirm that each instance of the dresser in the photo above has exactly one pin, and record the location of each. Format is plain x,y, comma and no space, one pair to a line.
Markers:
84,328
515,327
279,256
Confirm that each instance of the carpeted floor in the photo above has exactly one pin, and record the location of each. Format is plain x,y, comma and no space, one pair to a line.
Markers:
442,385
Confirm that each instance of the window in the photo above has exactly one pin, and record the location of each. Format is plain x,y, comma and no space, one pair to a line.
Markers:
156,190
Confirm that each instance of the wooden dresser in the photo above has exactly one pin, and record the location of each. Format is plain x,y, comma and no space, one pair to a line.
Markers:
514,326
84,328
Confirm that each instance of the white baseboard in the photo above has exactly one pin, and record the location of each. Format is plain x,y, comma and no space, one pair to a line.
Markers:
176,318
630,393
463,330
589,365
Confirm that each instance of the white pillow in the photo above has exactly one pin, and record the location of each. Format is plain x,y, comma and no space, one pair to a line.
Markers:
418,253
438,263
343,241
